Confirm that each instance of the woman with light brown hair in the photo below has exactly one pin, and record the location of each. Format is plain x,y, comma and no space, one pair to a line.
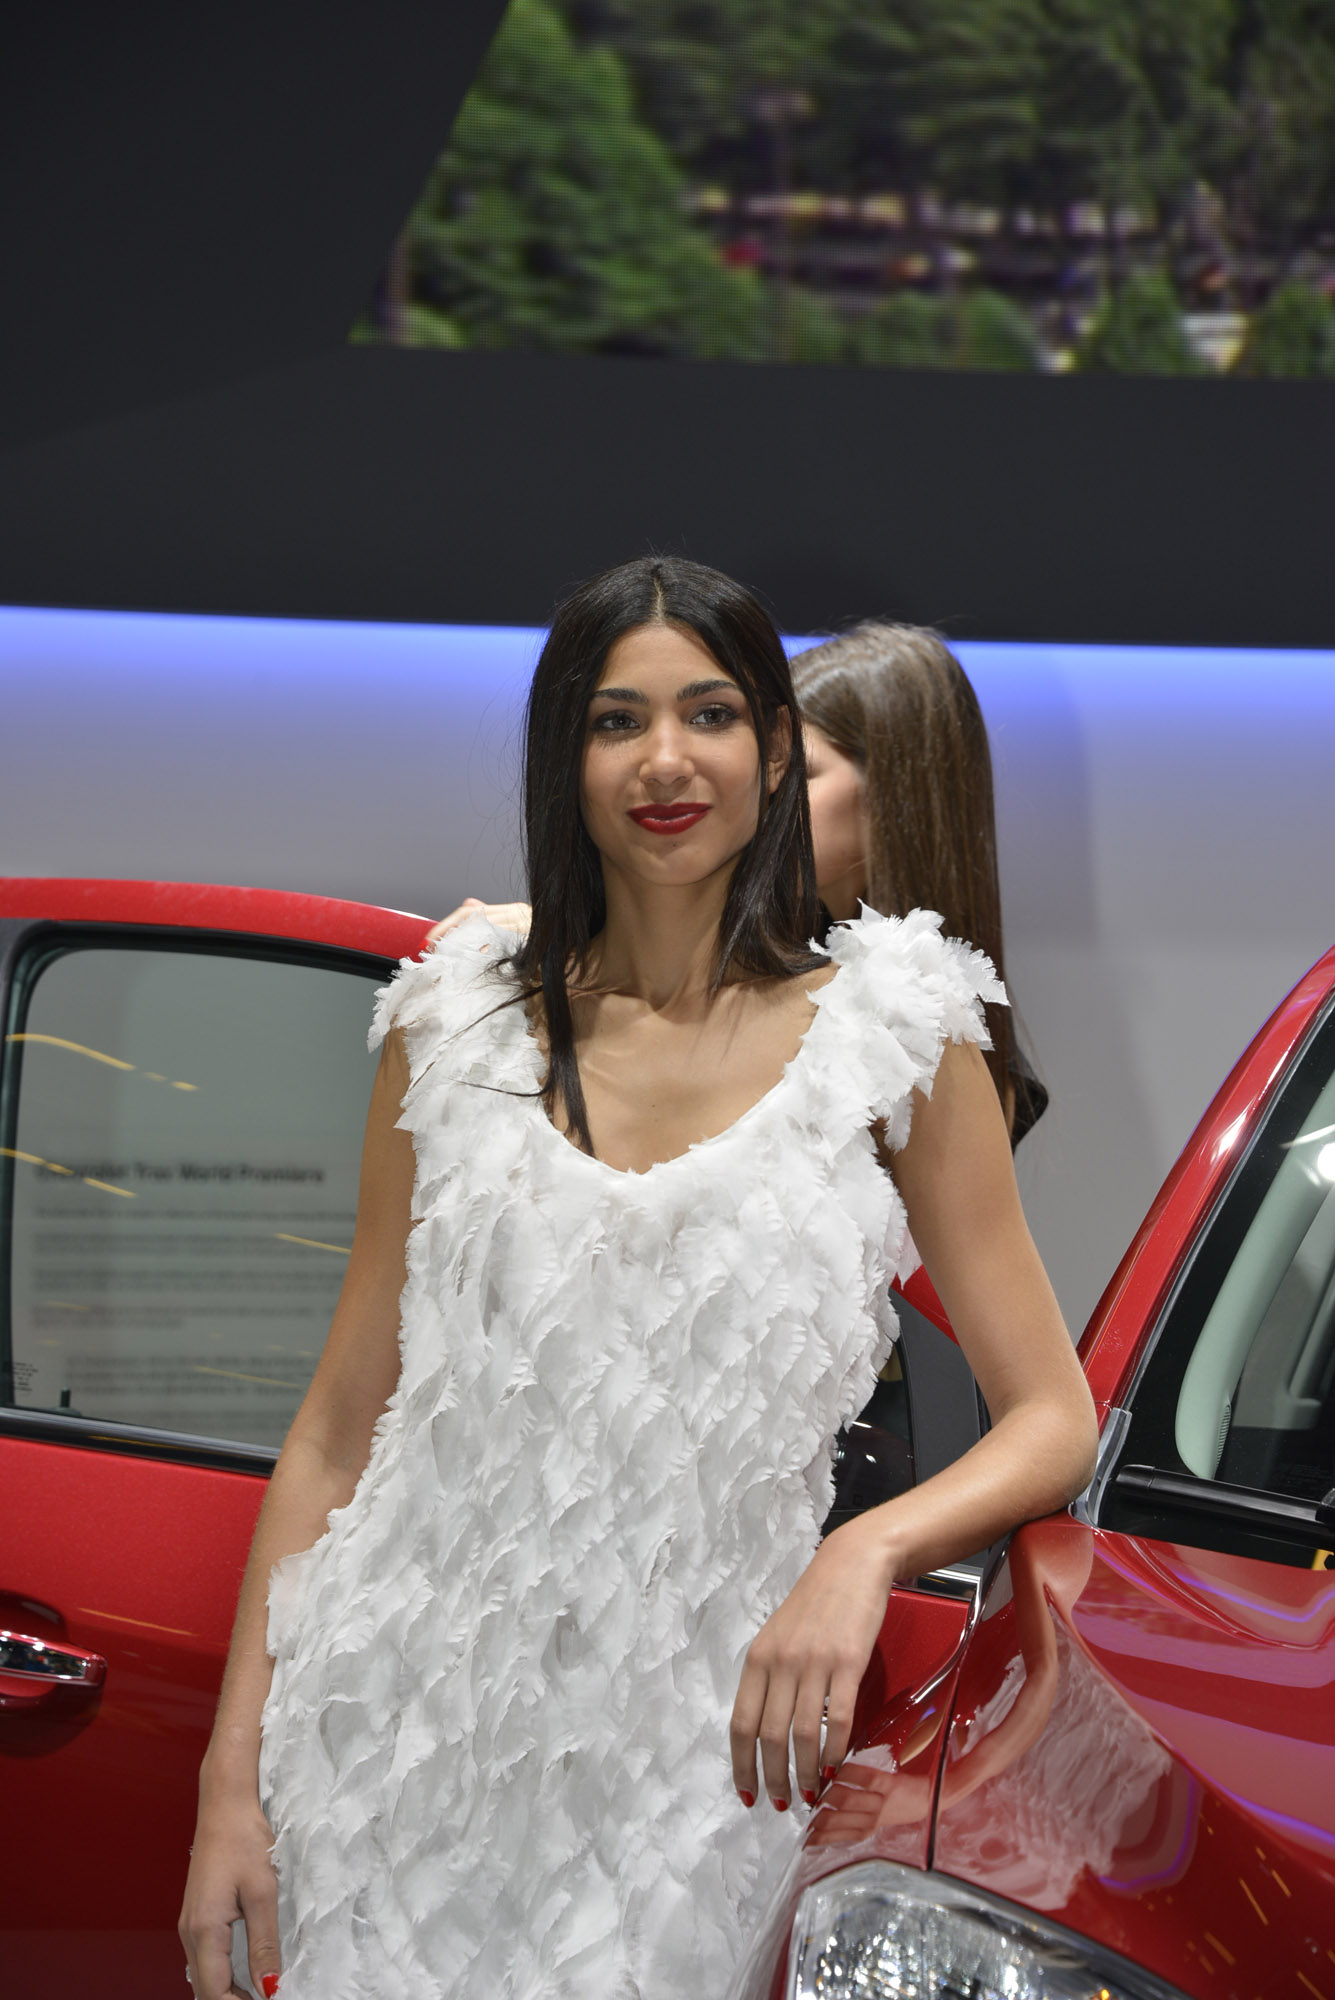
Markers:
899,775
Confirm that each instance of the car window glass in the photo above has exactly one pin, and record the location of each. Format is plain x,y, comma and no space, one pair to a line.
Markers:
1239,1389
1256,1406
184,1167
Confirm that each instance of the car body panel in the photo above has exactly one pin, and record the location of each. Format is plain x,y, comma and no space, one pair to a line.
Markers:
139,1561
261,913
1143,1750
1113,1341
1187,1797
116,1542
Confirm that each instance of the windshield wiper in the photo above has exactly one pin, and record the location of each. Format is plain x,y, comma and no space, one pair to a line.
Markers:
1285,1518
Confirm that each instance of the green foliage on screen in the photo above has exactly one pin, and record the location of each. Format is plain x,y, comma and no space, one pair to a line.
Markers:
1143,186
1293,335
1139,331
555,219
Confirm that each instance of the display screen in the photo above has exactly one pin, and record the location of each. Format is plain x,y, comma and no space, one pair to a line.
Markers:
1110,187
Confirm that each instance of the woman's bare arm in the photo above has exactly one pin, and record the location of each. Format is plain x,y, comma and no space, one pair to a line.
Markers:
958,1185
324,1456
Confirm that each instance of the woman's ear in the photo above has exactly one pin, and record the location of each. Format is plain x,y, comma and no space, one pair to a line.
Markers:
780,751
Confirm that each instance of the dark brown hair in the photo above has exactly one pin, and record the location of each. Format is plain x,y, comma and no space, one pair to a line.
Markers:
896,700
772,907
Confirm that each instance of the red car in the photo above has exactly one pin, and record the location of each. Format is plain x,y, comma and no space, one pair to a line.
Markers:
1100,1761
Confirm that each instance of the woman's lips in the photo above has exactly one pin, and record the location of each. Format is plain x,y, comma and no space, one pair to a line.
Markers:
669,819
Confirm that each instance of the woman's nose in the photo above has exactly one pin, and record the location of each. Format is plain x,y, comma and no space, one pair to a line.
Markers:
667,752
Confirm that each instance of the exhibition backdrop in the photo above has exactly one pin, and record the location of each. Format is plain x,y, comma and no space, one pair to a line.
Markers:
1166,823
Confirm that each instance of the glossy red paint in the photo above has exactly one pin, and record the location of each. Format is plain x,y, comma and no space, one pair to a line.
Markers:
209,906
1127,1311
140,1562
879,1802
1142,1751
921,1294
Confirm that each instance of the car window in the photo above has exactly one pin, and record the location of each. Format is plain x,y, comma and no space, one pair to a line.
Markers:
182,1130
1239,1390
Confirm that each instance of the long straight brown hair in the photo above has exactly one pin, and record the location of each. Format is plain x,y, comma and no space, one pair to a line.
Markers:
772,907
896,700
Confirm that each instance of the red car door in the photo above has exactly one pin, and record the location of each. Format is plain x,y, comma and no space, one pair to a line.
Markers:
1143,1745
183,1083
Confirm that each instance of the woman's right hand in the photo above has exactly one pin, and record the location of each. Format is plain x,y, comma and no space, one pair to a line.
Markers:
231,1876
506,917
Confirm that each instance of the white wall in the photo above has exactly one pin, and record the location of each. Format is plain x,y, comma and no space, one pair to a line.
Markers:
1167,824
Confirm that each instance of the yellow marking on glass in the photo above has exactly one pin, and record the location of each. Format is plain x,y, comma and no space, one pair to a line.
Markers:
119,1618
1252,1900
309,1243
1308,1984
34,1160
75,1048
1320,1558
96,1055
233,1375
108,1187
1282,1883
1222,1949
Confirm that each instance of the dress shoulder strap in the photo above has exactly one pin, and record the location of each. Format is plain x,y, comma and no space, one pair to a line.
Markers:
901,992
456,1006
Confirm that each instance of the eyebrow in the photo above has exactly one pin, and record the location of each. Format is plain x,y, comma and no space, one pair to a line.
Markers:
687,693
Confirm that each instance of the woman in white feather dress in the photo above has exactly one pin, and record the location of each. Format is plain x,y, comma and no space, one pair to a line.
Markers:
547,1608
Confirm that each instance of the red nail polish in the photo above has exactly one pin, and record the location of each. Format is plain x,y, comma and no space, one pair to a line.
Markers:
269,1985
810,1798
827,1773
747,1798
780,1805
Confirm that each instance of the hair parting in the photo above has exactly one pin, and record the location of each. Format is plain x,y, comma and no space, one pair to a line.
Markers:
772,907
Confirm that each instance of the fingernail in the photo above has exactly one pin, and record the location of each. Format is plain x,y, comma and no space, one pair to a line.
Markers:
780,1805
827,1773
810,1798
269,1985
747,1798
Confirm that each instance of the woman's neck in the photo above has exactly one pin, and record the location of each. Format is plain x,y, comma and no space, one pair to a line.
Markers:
659,944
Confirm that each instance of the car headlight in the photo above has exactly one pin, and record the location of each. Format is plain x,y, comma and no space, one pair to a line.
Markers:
877,1931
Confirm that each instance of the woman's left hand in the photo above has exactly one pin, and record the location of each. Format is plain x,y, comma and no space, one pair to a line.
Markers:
805,1665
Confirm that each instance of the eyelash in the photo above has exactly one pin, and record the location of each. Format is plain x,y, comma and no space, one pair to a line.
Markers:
724,715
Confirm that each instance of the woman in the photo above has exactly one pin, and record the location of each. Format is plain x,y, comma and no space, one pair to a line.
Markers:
665,1160
900,781
899,778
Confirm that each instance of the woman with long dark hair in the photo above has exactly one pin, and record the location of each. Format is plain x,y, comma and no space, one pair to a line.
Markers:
899,785
543,1543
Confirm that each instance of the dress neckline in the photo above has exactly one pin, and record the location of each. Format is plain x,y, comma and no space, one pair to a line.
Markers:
777,1089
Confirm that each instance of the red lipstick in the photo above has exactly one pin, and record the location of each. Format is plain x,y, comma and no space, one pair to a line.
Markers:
677,818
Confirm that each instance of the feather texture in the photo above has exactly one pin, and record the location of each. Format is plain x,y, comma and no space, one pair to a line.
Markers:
495,1752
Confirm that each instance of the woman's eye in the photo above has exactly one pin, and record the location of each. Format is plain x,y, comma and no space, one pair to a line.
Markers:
613,722
717,716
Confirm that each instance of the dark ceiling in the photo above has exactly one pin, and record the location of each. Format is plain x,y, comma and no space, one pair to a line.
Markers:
197,201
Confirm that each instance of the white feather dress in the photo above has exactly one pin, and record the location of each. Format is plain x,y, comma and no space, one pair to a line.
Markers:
495,1753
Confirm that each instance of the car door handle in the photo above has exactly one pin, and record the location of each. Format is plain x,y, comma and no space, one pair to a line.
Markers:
34,1671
